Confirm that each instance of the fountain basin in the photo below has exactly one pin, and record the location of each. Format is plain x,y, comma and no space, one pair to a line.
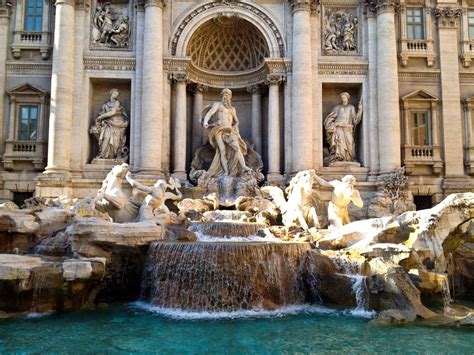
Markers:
223,276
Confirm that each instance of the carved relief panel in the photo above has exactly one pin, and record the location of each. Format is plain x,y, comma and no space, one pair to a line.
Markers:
340,29
110,27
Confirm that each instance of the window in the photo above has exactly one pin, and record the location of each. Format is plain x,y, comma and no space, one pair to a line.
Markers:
420,128
34,15
470,23
28,123
415,27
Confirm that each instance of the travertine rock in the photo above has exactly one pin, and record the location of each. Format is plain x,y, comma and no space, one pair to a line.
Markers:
35,285
391,288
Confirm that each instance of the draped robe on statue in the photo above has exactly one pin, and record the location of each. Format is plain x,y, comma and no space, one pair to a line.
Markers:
227,134
339,125
113,127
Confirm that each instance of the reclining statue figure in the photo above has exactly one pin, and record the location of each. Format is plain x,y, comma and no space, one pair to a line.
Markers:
123,207
154,202
113,200
343,194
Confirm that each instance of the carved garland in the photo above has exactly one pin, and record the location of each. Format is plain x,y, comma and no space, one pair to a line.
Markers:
245,6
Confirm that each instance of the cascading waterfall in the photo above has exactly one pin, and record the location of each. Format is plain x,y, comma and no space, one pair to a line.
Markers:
223,276
359,285
447,300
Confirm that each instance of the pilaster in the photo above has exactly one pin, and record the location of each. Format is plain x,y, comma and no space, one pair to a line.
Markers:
5,12
448,20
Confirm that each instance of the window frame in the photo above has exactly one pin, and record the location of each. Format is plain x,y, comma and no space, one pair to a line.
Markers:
470,26
414,24
29,119
35,15
415,129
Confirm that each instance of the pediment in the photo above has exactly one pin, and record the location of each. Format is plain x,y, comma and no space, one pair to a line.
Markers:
27,89
420,95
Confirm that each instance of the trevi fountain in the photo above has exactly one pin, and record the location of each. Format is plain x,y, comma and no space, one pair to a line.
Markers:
236,176
227,247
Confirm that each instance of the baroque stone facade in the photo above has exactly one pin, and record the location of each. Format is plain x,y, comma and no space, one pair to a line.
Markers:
406,62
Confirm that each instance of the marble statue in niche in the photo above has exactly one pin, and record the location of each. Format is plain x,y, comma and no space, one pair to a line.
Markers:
224,136
110,30
110,129
339,127
340,32
227,165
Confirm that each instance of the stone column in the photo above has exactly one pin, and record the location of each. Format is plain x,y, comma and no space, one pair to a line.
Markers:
80,127
372,99
179,144
62,85
152,91
388,110
4,24
448,19
199,89
256,92
274,148
302,105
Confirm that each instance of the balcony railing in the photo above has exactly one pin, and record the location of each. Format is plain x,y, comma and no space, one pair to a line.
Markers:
31,37
414,155
24,151
417,45
417,48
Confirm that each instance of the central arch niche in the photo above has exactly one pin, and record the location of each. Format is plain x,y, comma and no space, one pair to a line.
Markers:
227,45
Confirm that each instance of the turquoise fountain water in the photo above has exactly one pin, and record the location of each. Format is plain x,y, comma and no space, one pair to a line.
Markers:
138,328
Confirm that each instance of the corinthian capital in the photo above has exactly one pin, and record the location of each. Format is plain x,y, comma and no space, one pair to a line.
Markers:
301,5
274,79
379,6
447,16
5,6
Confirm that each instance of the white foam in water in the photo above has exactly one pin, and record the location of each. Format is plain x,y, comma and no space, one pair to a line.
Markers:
180,314
251,238
196,315
34,315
